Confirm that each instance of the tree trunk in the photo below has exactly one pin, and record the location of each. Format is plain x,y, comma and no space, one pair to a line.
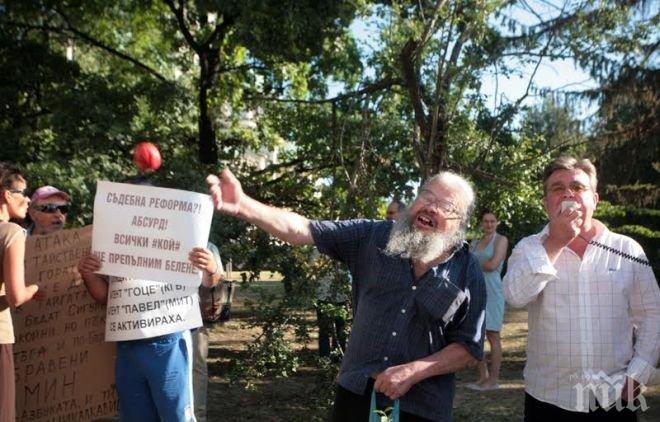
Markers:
437,161
208,149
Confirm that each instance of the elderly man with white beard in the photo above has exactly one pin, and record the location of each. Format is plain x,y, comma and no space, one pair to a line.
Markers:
419,296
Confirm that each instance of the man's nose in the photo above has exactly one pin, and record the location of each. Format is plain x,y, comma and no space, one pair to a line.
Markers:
432,207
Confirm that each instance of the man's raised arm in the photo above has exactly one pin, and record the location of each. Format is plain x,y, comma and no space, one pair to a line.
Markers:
229,199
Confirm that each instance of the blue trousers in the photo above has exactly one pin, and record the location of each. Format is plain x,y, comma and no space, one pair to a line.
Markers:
154,379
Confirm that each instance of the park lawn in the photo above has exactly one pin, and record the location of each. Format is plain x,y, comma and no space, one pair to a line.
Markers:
292,399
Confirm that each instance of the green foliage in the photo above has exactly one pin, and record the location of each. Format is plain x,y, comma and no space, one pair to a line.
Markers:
555,125
136,75
269,355
509,183
648,239
620,215
642,224
640,232
281,319
626,136
638,195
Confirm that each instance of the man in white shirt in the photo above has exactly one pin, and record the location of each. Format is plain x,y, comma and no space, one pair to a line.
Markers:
593,307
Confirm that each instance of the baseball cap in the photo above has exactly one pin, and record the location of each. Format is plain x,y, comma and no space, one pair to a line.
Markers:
48,191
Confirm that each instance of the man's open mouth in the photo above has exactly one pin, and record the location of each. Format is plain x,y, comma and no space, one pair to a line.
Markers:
425,221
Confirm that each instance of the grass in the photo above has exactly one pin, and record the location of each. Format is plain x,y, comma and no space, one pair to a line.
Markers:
292,399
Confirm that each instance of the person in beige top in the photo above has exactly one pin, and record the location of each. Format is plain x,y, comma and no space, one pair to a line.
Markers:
13,291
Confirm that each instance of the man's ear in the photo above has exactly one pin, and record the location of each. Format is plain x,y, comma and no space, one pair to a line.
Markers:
544,202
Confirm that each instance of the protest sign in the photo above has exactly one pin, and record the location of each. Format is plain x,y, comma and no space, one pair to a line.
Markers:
145,232
64,369
142,309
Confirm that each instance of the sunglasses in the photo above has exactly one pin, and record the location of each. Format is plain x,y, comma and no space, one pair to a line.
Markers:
52,208
21,191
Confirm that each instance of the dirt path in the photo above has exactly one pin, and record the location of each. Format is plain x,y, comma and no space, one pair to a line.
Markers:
289,399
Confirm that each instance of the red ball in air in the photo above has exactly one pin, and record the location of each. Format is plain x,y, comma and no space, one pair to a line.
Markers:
146,157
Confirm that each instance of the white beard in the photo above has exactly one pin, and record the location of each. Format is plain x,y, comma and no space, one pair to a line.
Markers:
408,242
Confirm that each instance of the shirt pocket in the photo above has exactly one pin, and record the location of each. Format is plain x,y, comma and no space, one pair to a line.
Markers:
612,287
439,298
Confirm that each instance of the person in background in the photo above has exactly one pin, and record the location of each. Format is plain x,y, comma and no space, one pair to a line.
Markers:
593,306
393,209
491,250
48,210
14,204
331,306
200,336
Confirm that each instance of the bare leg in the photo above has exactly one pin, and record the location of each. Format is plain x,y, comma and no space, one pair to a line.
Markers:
482,366
495,359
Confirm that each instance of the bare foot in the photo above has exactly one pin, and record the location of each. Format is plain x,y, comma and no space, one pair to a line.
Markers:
490,385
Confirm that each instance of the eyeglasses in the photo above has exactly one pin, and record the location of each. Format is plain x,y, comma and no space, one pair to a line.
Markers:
575,188
21,191
52,208
446,208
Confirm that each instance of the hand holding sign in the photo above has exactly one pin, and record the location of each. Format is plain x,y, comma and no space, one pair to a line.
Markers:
226,192
89,264
202,258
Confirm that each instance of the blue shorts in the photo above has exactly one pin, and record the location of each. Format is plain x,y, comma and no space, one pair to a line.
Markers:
154,379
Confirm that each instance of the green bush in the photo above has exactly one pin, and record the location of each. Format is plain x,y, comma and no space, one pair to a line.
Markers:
622,215
648,239
637,195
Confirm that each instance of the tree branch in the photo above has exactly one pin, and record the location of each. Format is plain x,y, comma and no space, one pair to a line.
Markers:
299,171
412,83
91,41
369,89
501,119
429,29
226,69
559,146
179,14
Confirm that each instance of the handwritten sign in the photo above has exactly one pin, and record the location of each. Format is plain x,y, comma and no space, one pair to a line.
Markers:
142,309
145,233
64,369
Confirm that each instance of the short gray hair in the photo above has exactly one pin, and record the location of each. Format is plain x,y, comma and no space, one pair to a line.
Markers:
460,184
566,162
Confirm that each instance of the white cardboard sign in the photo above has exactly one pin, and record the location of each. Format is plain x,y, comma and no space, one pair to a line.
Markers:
142,309
145,232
